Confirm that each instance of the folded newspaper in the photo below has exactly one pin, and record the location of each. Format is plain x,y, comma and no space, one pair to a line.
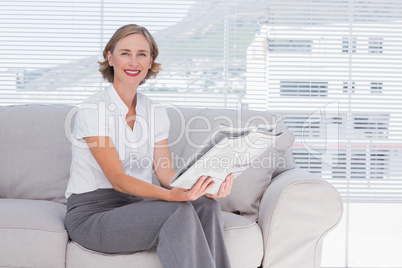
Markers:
226,150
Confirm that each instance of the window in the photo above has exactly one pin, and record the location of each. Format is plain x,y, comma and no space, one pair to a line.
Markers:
349,45
50,49
349,87
304,89
356,86
376,88
289,46
371,126
375,45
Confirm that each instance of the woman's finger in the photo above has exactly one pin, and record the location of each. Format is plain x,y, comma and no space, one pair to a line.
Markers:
224,189
193,192
199,183
227,185
221,192
202,186
230,184
208,187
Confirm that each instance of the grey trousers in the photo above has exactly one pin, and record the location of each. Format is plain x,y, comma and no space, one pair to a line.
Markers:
186,234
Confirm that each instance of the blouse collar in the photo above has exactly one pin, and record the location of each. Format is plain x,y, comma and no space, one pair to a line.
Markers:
121,106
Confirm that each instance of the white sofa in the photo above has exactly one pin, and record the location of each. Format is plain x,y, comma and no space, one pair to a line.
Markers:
295,211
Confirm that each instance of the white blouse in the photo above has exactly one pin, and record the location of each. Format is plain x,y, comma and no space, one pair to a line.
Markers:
104,114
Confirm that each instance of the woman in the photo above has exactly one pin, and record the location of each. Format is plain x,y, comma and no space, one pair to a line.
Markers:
105,210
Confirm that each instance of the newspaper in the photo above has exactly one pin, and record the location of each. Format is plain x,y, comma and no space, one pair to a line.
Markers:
225,151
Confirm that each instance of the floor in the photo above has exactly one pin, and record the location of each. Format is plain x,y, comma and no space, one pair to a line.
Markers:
369,236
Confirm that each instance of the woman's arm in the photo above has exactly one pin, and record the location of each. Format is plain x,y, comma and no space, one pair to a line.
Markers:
163,165
107,157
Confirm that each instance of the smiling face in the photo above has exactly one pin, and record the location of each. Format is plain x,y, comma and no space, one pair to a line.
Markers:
131,59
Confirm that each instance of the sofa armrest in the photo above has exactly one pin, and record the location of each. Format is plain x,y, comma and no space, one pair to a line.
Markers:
297,210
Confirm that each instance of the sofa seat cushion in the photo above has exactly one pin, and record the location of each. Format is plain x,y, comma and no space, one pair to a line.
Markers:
32,233
243,240
242,236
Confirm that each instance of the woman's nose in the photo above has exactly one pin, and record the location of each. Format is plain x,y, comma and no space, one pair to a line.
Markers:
134,61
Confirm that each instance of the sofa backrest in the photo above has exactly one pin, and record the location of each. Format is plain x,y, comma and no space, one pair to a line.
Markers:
35,153
178,118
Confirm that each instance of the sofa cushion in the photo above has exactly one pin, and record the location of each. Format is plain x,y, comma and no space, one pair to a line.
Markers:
32,233
78,256
242,236
243,240
250,185
35,153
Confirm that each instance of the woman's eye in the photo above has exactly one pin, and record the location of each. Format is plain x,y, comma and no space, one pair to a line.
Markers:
124,53
143,54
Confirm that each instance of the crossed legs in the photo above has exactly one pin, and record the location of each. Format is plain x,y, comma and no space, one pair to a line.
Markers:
186,234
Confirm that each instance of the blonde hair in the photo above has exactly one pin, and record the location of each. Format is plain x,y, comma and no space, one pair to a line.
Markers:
107,70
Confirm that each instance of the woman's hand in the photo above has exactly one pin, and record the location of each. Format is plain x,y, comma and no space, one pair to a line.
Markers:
199,189
225,189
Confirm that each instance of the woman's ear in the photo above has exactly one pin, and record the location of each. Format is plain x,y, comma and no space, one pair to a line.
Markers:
150,64
109,58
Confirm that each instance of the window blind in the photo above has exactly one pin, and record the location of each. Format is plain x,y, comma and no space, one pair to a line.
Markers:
332,69
51,49
335,72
